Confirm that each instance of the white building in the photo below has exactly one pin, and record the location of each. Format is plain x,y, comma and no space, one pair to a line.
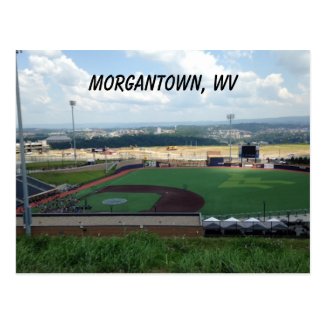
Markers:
39,146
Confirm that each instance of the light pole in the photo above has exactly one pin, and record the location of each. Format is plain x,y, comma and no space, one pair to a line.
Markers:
106,169
72,104
230,117
27,211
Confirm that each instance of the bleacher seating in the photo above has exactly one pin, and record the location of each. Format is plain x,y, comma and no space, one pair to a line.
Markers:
35,188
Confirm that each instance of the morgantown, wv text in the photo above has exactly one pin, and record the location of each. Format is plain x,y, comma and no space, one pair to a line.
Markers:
159,82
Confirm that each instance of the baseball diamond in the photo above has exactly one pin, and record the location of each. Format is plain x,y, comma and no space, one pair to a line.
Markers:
171,200
205,190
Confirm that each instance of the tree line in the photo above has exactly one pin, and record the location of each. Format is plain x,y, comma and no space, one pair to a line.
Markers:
145,140
299,161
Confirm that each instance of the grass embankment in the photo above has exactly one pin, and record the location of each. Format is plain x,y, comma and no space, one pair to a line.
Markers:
144,252
80,177
44,165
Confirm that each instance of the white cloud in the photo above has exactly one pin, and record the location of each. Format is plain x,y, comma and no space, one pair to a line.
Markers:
296,62
33,88
42,65
186,62
284,93
271,80
60,69
269,87
57,71
256,90
53,79
47,53
232,57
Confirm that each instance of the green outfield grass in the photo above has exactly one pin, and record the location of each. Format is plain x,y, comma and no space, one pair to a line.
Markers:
231,190
136,202
225,190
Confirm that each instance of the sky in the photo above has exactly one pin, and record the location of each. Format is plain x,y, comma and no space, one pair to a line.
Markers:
270,84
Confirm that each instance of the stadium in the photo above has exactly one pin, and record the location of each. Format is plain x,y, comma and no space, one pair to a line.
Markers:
179,198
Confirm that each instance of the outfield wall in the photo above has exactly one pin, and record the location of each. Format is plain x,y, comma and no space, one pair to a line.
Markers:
128,164
163,224
295,168
165,231
134,164
103,224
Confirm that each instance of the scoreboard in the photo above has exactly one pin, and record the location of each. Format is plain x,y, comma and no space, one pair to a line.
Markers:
249,151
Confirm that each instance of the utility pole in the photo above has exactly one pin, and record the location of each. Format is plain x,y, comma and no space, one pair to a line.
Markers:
72,104
27,211
106,169
230,117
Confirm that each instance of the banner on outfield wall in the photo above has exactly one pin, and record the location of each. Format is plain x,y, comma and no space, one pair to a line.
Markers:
268,166
150,163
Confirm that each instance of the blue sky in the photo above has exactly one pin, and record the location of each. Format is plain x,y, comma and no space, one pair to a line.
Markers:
270,84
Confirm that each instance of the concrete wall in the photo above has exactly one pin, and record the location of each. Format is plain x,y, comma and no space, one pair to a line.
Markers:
165,231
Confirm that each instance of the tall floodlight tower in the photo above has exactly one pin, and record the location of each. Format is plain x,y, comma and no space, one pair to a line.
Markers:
72,104
230,117
27,210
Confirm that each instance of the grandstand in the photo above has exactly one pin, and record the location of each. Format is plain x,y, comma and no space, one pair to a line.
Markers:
36,189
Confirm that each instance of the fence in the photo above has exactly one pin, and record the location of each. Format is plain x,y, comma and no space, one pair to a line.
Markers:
268,228
63,158
294,214
294,168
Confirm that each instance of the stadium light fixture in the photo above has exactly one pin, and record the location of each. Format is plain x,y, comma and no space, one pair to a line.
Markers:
230,117
72,104
27,211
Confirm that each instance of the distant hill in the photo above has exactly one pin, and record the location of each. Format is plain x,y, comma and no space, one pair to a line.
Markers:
278,120
299,120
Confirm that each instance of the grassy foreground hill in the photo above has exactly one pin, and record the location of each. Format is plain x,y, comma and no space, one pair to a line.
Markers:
147,253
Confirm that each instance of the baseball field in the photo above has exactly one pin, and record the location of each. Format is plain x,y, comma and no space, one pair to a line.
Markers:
217,191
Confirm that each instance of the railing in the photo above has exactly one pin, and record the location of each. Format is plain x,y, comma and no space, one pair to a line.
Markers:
280,214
